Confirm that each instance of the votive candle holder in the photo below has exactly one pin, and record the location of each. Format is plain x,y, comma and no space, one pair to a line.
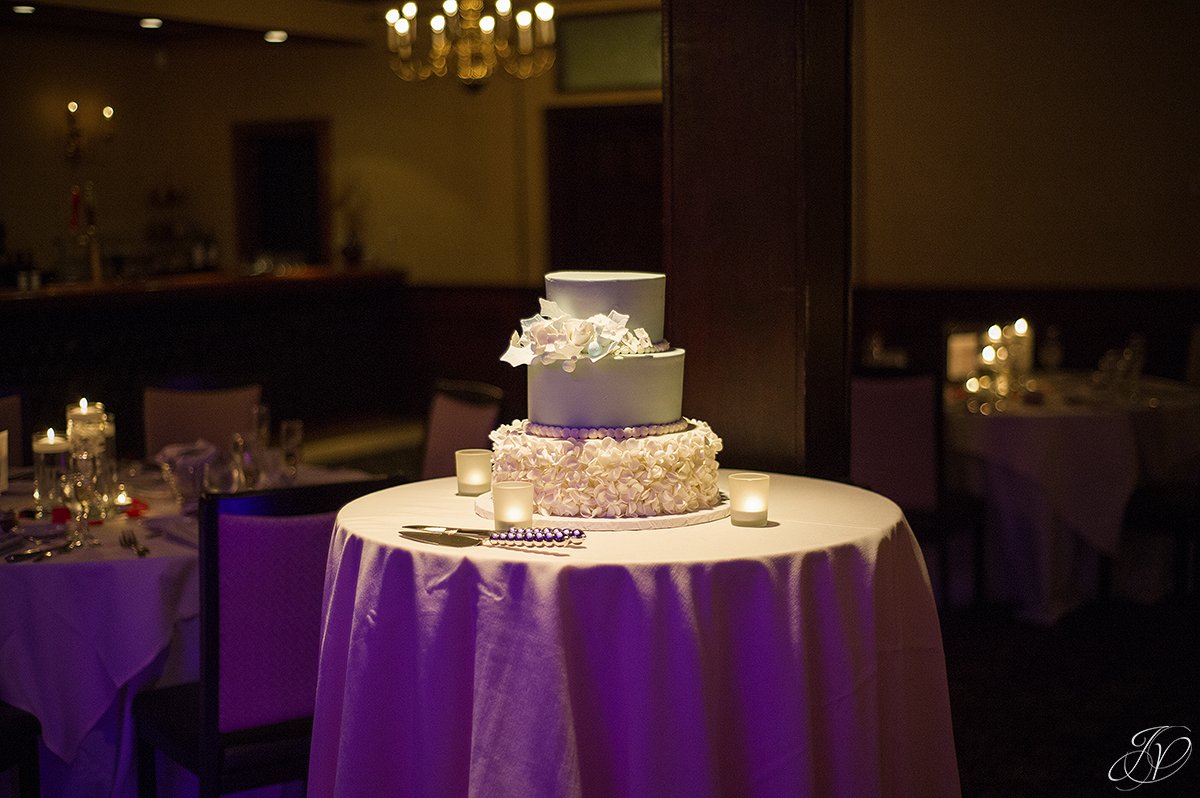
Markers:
748,498
512,504
473,468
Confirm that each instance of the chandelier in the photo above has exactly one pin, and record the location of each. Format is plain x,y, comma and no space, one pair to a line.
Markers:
464,41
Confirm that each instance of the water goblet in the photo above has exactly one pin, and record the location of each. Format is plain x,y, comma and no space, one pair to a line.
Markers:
291,443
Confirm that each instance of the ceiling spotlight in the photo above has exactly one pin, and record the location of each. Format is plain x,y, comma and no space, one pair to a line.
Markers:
151,23
275,36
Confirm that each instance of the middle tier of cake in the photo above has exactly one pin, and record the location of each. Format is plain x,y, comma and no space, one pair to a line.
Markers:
615,391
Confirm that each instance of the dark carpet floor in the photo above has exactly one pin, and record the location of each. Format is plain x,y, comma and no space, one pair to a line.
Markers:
1047,711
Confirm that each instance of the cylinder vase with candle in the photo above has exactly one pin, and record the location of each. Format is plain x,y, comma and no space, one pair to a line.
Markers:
51,467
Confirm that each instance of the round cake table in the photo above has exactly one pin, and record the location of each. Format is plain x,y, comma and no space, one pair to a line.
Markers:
802,658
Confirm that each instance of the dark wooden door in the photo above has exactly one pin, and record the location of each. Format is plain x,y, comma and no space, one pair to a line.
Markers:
282,201
605,176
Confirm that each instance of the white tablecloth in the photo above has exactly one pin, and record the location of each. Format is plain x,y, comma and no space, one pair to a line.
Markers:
81,634
804,658
1058,475
78,637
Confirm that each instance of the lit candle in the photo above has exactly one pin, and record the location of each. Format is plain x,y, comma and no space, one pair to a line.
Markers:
512,503
93,411
474,471
50,467
50,443
748,494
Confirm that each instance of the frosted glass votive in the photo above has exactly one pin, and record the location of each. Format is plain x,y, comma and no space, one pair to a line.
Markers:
512,504
473,467
748,493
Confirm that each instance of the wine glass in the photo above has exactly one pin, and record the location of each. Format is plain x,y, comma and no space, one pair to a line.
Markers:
291,443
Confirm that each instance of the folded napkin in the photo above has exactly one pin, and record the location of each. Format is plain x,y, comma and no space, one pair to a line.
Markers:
179,528
183,466
186,455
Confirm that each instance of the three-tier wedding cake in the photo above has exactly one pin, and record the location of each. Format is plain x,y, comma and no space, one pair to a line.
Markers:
605,437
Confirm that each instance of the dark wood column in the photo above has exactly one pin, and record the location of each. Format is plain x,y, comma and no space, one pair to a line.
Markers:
756,182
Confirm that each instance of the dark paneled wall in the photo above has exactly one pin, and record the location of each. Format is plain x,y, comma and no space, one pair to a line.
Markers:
1090,321
323,347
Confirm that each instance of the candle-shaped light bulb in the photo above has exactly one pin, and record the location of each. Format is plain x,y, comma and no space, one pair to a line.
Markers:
450,7
438,23
994,332
50,434
524,32
83,405
503,7
409,10
72,106
989,354
545,23
107,112
1021,326
487,24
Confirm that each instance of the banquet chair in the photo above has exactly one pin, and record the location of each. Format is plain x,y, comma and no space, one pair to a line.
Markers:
10,419
182,416
1193,357
896,450
462,414
1168,510
248,721
19,732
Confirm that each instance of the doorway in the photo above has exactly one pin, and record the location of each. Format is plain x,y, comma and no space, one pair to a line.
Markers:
605,183
281,178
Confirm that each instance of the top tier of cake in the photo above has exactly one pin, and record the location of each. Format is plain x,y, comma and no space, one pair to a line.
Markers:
639,295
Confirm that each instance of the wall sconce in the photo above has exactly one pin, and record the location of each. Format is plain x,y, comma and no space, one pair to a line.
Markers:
105,129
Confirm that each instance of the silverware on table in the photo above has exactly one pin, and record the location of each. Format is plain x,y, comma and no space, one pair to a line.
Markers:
45,553
130,541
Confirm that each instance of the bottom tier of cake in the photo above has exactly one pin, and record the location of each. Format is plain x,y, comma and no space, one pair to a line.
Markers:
637,477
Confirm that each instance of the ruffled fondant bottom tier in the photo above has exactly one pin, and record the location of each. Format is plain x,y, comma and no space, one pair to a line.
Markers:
638,477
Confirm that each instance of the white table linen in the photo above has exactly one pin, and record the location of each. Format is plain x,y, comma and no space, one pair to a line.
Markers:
800,658
82,633
1057,476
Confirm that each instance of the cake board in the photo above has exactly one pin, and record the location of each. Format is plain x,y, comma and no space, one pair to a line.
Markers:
483,508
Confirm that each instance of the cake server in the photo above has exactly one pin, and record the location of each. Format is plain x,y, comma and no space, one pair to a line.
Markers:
481,534
517,536
440,536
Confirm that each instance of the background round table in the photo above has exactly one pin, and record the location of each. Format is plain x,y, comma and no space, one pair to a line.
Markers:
803,658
